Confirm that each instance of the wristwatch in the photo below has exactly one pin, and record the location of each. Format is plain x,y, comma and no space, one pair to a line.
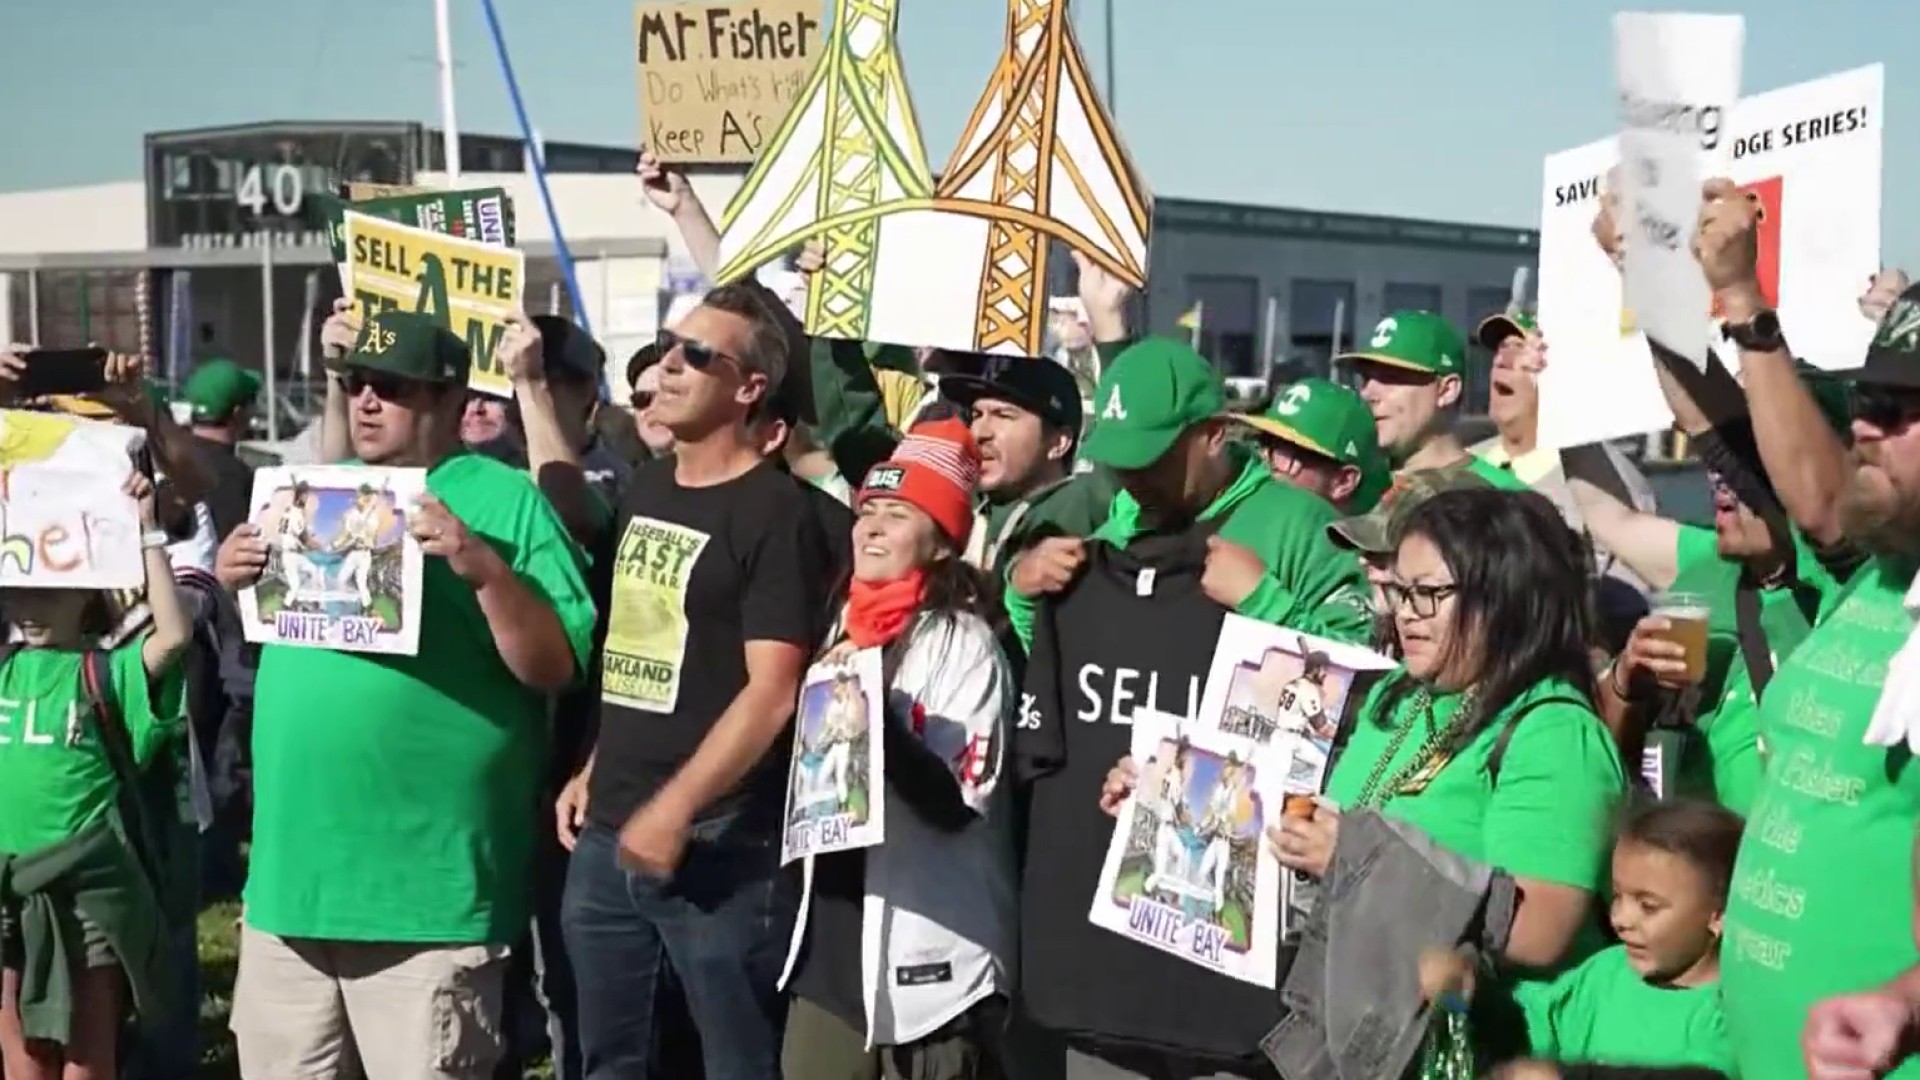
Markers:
1759,334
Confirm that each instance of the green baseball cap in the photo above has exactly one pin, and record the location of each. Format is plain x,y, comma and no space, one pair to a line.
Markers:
411,345
1377,532
1502,325
1147,397
218,387
1324,417
1414,341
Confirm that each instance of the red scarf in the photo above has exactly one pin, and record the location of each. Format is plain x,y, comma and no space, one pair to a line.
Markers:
878,612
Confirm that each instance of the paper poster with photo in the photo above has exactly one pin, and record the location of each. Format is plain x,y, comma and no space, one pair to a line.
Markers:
65,522
1811,155
1188,870
834,785
342,572
1678,76
1267,681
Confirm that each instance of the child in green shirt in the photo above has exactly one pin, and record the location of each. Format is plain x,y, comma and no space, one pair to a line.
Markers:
1654,999
70,883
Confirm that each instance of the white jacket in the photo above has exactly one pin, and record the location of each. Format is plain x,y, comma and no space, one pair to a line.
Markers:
941,914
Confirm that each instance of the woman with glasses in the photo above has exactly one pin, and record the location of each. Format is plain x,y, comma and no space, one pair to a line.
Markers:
1486,737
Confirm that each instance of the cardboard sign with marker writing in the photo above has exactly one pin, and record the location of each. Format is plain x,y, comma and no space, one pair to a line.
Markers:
717,79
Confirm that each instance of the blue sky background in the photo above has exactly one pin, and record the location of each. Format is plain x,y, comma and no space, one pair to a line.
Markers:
1380,106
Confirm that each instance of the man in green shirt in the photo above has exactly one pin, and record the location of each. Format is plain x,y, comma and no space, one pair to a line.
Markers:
1411,372
1160,425
1319,435
395,795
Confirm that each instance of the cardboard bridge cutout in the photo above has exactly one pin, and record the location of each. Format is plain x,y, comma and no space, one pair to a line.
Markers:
960,265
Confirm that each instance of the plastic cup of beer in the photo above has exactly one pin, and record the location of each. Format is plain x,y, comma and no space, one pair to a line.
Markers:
1687,615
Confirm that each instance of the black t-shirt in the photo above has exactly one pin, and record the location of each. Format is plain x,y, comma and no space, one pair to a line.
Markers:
687,577
836,528
232,485
1135,630
827,972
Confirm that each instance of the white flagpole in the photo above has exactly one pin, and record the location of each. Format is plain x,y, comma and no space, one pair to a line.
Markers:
449,123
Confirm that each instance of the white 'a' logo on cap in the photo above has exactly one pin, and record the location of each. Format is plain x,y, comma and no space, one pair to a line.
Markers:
1297,395
1383,333
1115,408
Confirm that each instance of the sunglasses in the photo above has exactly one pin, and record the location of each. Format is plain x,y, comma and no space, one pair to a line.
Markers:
385,387
698,354
641,399
1885,407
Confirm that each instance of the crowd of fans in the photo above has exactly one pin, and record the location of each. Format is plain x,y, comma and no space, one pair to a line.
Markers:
1552,842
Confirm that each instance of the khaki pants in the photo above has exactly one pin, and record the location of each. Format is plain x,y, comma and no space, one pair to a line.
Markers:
331,1010
820,1046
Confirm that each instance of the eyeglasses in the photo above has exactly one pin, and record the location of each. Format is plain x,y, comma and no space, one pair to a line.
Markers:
1888,408
385,387
1286,459
1425,600
698,354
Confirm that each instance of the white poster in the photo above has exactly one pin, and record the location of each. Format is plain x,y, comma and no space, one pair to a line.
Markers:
1678,77
65,522
1811,154
342,571
1188,870
835,784
1267,680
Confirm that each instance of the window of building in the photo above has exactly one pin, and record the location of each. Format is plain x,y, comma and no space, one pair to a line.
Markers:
1319,324
1481,302
1400,296
91,305
1229,323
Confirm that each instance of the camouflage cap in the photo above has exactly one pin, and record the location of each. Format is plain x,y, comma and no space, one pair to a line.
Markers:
1377,532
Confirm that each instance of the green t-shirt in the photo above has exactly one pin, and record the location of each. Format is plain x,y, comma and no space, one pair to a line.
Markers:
1549,818
55,778
1726,762
395,796
1604,1013
1495,475
1823,899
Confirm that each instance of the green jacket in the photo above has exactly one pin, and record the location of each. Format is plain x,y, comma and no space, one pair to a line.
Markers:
95,874
1310,585
851,423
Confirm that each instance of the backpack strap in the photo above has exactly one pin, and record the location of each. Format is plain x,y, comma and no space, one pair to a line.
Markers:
1752,636
990,557
110,727
1498,754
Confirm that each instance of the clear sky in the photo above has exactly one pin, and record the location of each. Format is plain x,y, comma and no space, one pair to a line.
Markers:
1413,107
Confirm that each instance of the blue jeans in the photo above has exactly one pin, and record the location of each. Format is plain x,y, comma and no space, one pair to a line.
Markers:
721,925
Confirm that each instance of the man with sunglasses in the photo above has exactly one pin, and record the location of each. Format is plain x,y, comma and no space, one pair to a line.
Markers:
1319,435
1822,901
714,582
643,381
392,844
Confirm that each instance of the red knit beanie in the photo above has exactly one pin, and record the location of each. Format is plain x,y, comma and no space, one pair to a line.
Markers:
935,468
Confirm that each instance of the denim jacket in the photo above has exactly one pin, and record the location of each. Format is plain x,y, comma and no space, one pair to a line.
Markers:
1352,1003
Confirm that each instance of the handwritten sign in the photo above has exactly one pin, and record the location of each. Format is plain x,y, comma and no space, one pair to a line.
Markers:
1811,154
717,79
1679,76
470,286
65,523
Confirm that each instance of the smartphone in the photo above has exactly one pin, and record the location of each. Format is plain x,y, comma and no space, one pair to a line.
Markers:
63,371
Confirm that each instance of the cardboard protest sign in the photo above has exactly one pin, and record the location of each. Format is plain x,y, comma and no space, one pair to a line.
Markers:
835,800
1811,154
963,264
1187,870
1679,76
65,523
470,286
483,214
342,571
716,78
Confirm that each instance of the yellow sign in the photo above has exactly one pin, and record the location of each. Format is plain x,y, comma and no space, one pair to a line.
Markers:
647,617
472,287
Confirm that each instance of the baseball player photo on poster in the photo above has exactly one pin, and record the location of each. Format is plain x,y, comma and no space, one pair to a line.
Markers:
342,570
1187,870
834,795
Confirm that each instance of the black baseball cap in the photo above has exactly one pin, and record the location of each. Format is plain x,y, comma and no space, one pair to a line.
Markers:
1893,359
571,354
1038,385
